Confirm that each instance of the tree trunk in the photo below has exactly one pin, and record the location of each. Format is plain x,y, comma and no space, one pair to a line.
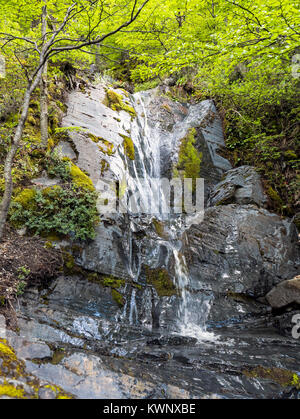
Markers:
8,165
44,88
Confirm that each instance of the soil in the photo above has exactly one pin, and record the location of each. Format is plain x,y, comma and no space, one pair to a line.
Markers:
24,261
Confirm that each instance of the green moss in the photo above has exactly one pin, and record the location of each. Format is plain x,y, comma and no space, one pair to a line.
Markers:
9,361
161,281
115,101
6,351
280,376
93,277
189,158
112,282
128,147
274,195
118,298
70,266
150,84
59,392
290,155
104,166
26,198
11,391
159,228
51,145
106,147
58,356
80,179
94,138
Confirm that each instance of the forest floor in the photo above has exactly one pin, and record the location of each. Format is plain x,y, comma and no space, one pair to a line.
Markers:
24,261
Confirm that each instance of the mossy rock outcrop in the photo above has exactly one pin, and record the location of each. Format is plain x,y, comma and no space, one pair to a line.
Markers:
116,102
161,281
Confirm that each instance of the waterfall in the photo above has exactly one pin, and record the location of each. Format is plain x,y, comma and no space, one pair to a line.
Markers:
142,174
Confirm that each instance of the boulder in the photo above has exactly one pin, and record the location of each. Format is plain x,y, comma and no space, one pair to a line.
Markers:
241,249
242,186
287,292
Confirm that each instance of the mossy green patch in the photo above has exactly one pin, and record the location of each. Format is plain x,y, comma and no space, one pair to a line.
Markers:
112,282
128,147
26,198
6,351
118,298
159,228
59,392
11,391
274,195
189,158
115,101
161,281
80,179
280,376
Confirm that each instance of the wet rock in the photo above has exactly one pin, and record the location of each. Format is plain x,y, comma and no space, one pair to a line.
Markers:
242,186
286,322
285,293
241,249
173,341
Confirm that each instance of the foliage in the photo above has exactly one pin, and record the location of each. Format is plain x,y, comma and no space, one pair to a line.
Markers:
189,158
66,211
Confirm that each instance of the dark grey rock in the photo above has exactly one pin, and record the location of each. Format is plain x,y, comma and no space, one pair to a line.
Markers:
241,249
242,186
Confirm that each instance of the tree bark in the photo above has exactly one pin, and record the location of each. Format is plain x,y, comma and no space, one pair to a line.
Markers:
44,88
8,165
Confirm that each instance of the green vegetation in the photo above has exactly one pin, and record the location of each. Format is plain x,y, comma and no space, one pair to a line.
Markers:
161,281
128,147
189,158
280,376
116,103
65,211
113,282
243,55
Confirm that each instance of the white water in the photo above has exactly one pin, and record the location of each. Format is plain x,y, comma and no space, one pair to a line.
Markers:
141,174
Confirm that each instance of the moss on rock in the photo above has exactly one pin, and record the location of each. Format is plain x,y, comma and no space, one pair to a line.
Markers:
26,198
128,147
161,281
80,179
189,158
112,282
280,376
115,101
11,391
117,297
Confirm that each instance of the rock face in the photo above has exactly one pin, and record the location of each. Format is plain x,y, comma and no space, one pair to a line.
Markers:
155,132
97,336
241,249
285,293
241,186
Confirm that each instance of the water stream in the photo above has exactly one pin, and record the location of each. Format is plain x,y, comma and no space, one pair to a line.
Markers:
142,175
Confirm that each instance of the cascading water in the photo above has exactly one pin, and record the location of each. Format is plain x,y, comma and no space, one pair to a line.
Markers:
142,175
